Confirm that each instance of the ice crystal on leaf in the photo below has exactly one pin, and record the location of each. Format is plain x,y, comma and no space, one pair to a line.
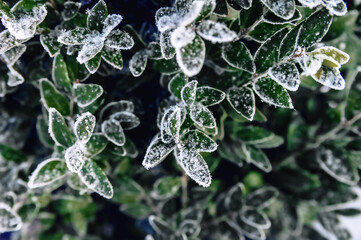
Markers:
47,172
84,127
75,157
9,219
215,32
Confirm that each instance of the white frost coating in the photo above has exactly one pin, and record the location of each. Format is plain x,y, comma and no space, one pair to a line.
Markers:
311,64
113,131
138,63
283,9
287,75
215,32
24,26
190,58
337,8
330,77
2,89
197,141
75,157
54,116
188,93
76,36
84,127
331,52
12,55
310,3
48,176
191,13
120,106
110,23
170,124
119,40
92,47
165,23
86,94
166,47
127,119
243,101
202,116
182,36
157,151
15,77
9,219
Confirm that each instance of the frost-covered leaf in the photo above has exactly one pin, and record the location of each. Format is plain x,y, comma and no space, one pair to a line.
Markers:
338,9
287,75
138,63
75,157
208,96
120,106
113,57
75,36
110,23
84,127
240,4
314,28
90,49
188,93
7,41
261,198
255,219
182,36
127,119
283,9
153,51
310,3
167,19
96,16
166,46
234,198
253,135
237,55
95,179
337,55
330,77
262,31
221,8
58,129
52,98
119,40
70,10
197,141
166,67
166,187
289,42
14,77
23,25
12,55
272,93
257,157
42,128
267,54
160,227
249,230
47,172
4,10
202,116
270,17
177,83
337,165
215,32
190,58
93,64
243,101
170,125
157,151
60,73
95,145
113,131
86,94
191,13
9,219
207,9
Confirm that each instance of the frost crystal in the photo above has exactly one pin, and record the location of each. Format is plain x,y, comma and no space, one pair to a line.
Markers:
12,55
138,63
287,75
110,23
92,47
284,9
47,172
70,9
182,36
75,157
202,116
119,40
157,152
188,92
330,77
9,219
208,96
243,101
127,119
215,32
84,127
86,94
310,3
190,58
76,36
166,47
170,124
15,77
113,131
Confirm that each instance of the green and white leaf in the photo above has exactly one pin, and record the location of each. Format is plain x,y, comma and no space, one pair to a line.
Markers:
255,218
113,57
84,127
119,40
9,219
166,46
128,120
287,75
182,36
75,157
330,77
76,36
237,55
113,131
47,172
14,77
170,125
283,9
52,98
188,93
177,83
50,43
95,145
86,94
166,187
157,151
58,129
202,116
257,157
138,63
90,49
215,32
97,16
242,101
93,64
60,73
196,141
13,54
208,96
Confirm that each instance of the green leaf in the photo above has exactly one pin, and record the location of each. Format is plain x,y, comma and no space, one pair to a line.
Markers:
75,36
270,17
314,28
283,9
97,16
255,219
75,157
208,96
242,101
287,75
338,9
171,123
10,154
47,172
202,116
138,63
84,127
221,8
4,10
95,179
272,93
113,57
42,128
289,42
86,94
50,44
52,98
166,47
208,8
261,198
166,66
267,54
264,30
234,198
70,10
330,77
166,187
58,129
136,210
253,135
248,17
237,55
95,145
113,131
10,220
257,157
60,73
188,93
157,151
215,32
93,64
273,142
177,83
190,58
128,191
118,40
197,141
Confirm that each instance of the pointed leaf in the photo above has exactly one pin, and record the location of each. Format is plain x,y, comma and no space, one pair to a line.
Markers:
50,43
47,172
119,40
170,125
264,30
97,16
75,157
289,42
58,129
330,77
14,77
138,63
177,83
113,57
208,96
60,73
287,75
113,131
243,101
257,157
215,32
12,55
90,49
52,98
157,151
202,116
283,9
237,55
110,23
86,94
84,127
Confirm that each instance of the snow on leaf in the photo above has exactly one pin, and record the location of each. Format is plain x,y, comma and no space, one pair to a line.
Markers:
182,36
190,58
167,19
14,77
188,93
127,119
110,23
60,73
113,131
58,129
13,54
157,151
339,9
84,127
283,9
76,36
96,16
202,116
215,32
310,3
120,106
113,57
119,40
47,172
52,98
330,77
70,10
261,198
93,64
255,218
164,11
153,51
177,83
243,101
95,179
337,55
237,55
208,96
197,141
92,47
7,41
166,47
311,64
86,94
23,26
138,63
95,145
75,157
170,124
9,219
272,93
257,157
207,9
190,13
287,75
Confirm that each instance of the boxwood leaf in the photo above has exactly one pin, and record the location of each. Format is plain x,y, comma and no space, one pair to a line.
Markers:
166,187
242,101
70,10
188,93
58,129
138,63
215,32
171,123
113,131
84,127
10,154
93,64
160,226
287,75
261,198
177,83
257,157
208,96
330,77
337,55
208,8
86,94
95,145
95,179
60,73
52,98
234,198
166,46
253,135
110,23
202,116
272,93
182,36
289,42
75,157
136,210
47,172
50,43
127,119
264,30
221,8
10,220
237,55
113,57
75,36
14,77
338,9
119,40
42,128
97,16
255,218
197,141
157,151
283,9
